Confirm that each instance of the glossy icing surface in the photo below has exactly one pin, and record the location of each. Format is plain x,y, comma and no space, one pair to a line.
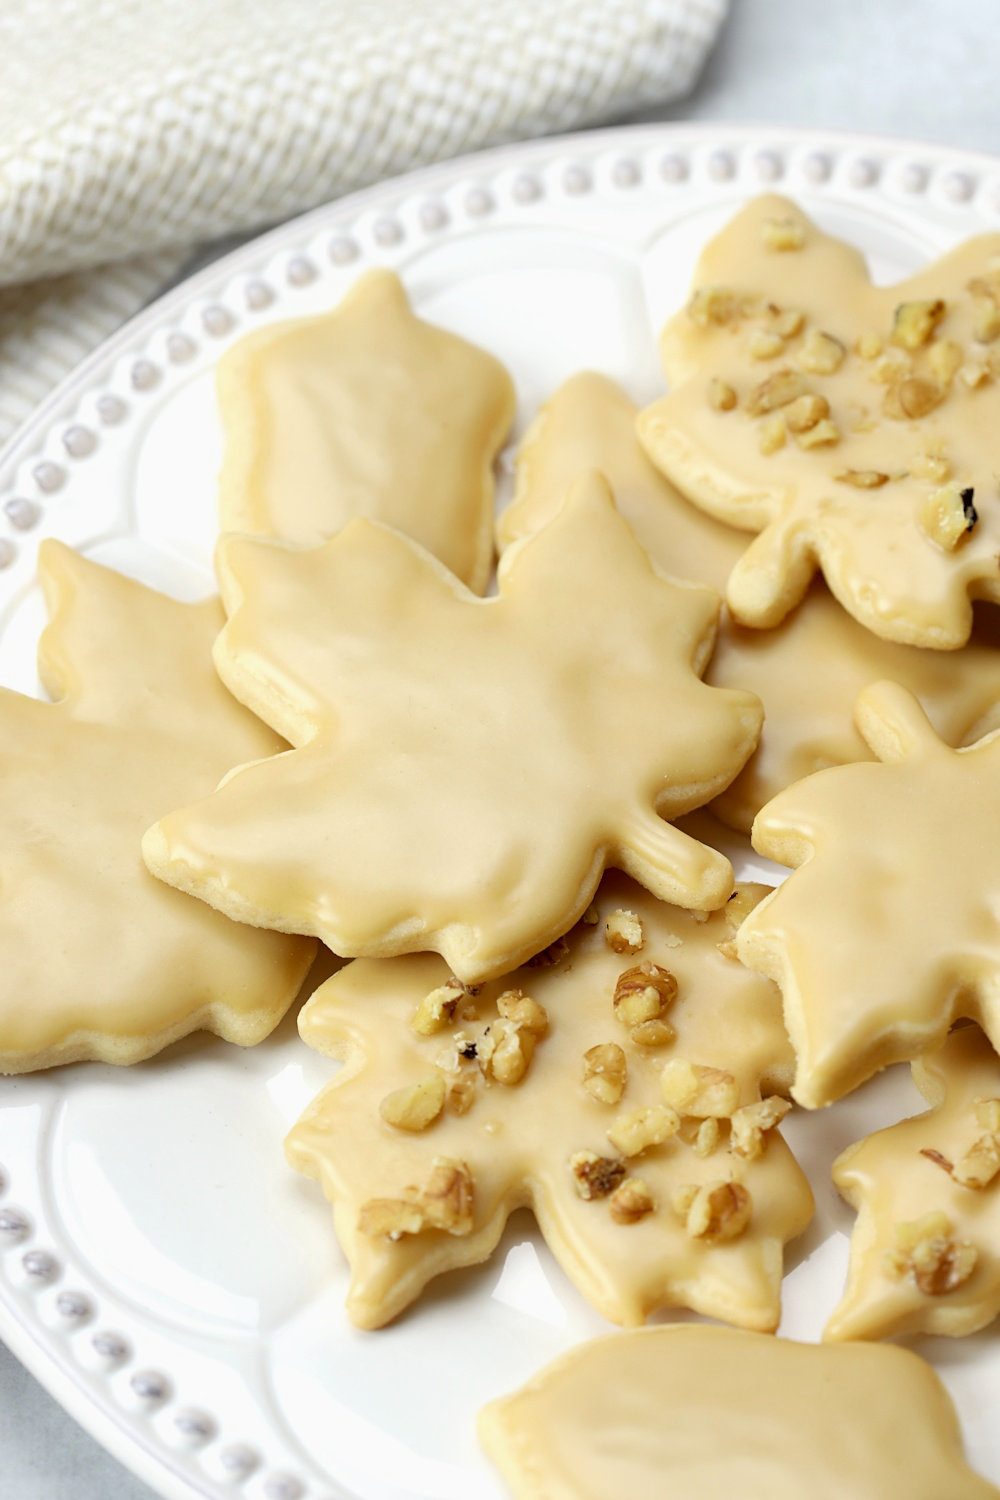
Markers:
366,410
524,741
99,959
517,1140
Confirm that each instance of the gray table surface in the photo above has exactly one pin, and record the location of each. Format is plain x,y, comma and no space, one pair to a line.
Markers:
924,69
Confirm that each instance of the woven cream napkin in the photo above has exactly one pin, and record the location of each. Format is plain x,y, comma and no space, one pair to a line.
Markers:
133,130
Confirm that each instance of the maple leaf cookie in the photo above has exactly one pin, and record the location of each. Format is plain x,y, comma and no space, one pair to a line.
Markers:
925,1253
850,425
366,410
712,1413
614,1085
101,961
465,767
809,670
890,930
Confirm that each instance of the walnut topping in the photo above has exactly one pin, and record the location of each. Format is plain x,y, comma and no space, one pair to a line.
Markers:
821,353
446,1203
643,993
763,344
782,234
974,374
914,322
591,916
748,1126
944,358
771,436
596,1176
862,479
947,515
717,1210
739,906
504,1051
787,322
623,932
721,396
605,1072
912,398
631,1201
823,435
713,305
980,1164
554,954
805,412
697,1090
523,1012
416,1107
437,1010
985,318
706,1138
778,390
652,1034
933,466
988,1114
868,346
638,1129
461,1095
927,1251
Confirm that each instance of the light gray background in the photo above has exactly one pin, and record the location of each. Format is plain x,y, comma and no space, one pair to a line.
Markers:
925,69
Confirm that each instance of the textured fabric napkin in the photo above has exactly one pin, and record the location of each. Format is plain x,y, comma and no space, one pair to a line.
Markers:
133,130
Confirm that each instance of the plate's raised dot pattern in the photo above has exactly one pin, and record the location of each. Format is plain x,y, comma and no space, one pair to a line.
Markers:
913,177
817,167
768,166
144,375
300,271
111,409
216,319
721,166
79,441
526,188
21,513
48,476
193,1425
387,231
181,348
863,172
957,187
111,1348
14,1225
674,167
257,294
239,1460
8,552
626,173
343,249
74,1307
577,180
150,1386
280,1486
40,1267
432,216
479,202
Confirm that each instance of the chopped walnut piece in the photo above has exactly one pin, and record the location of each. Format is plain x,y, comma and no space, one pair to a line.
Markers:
462,1094
504,1052
927,1251
868,346
706,1138
391,1218
988,1114
591,916
596,1176
980,1164
605,1072
783,234
638,1129
914,322
729,950
631,1201
416,1107
717,1211
944,358
445,1203
912,399
933,466
788,322
437,1010
696,1090
554,954
985,319
763,344
862,479
652,1034
713,305
975,374
823,435
748,1126
643,993
778,390
516,1006
891,369
821,353
771,436
721,396
805,412
741,903
623,932
947,515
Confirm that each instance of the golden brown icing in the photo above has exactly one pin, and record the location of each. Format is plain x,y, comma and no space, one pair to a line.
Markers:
809,670
518,1140
465,767
891,927
370,411
910,1273
713,1413
99,959
913,401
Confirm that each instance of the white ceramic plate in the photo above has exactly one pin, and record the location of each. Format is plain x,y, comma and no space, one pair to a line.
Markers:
161,1270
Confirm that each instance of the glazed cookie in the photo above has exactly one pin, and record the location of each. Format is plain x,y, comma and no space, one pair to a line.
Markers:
809,670
613,1085
712,1413
367,411
466,767
890,930
850,425
925,1253
99,959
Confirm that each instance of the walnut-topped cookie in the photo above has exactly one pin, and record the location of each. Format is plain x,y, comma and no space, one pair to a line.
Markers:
809,670
622,1085
364,411
888,929
99,960
925,1253
714,1413
464,768
850,425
